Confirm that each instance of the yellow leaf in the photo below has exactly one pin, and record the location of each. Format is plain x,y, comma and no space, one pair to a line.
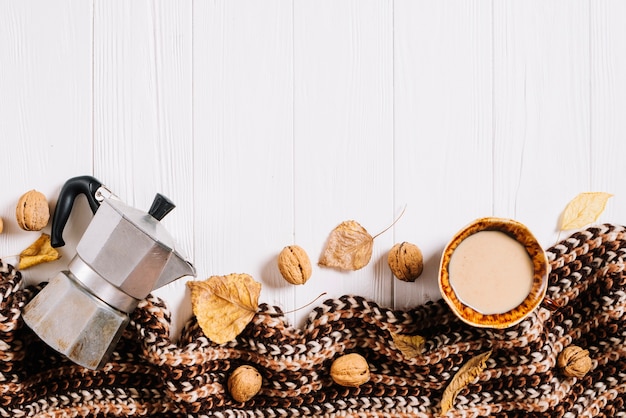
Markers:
224,305
462,378
40,251
410,345
349,247
584,209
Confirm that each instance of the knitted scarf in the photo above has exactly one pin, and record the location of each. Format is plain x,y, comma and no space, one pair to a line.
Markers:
148,375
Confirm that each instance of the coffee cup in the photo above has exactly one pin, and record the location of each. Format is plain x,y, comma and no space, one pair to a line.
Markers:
493,273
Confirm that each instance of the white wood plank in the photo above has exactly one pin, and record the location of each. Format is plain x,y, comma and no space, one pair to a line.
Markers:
541,111
608,105
243,147
343,138
270,123
45,113
443,129
143,140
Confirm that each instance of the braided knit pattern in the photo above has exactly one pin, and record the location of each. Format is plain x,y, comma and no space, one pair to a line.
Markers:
148,375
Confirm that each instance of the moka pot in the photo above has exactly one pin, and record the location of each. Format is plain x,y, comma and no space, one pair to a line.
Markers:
123,255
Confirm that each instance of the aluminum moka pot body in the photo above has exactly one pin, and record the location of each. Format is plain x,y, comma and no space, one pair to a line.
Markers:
123,255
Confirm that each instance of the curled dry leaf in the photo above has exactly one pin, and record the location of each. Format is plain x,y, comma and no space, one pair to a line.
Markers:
468,372
40,251
224,305
409,345
349,247
584,209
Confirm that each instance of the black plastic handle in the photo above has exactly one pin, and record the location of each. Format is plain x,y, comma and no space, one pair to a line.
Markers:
75,186
161,206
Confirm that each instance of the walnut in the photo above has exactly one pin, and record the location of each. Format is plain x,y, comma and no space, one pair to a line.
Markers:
405,261
244,383
294,264
32,211
574,361
350,370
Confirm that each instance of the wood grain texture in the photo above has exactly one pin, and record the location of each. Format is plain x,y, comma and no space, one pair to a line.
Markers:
343,140
143,141
269,123
443,128
243,138
541,111
45,111
608,103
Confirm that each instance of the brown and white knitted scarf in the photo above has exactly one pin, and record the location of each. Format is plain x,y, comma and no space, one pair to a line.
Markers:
150,376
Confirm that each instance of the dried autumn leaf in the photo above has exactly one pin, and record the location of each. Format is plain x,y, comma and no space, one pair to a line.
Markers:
468,372
40,251
349,247
224,305
584,209
410,345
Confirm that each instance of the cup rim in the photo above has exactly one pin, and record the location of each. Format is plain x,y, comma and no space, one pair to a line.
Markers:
524,236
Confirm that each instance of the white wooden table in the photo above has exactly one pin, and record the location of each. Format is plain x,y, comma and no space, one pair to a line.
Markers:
270,122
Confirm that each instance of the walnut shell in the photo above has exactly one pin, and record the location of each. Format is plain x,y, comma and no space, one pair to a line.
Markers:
294,264
406,261
32,211
350,370
244,383
574,361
